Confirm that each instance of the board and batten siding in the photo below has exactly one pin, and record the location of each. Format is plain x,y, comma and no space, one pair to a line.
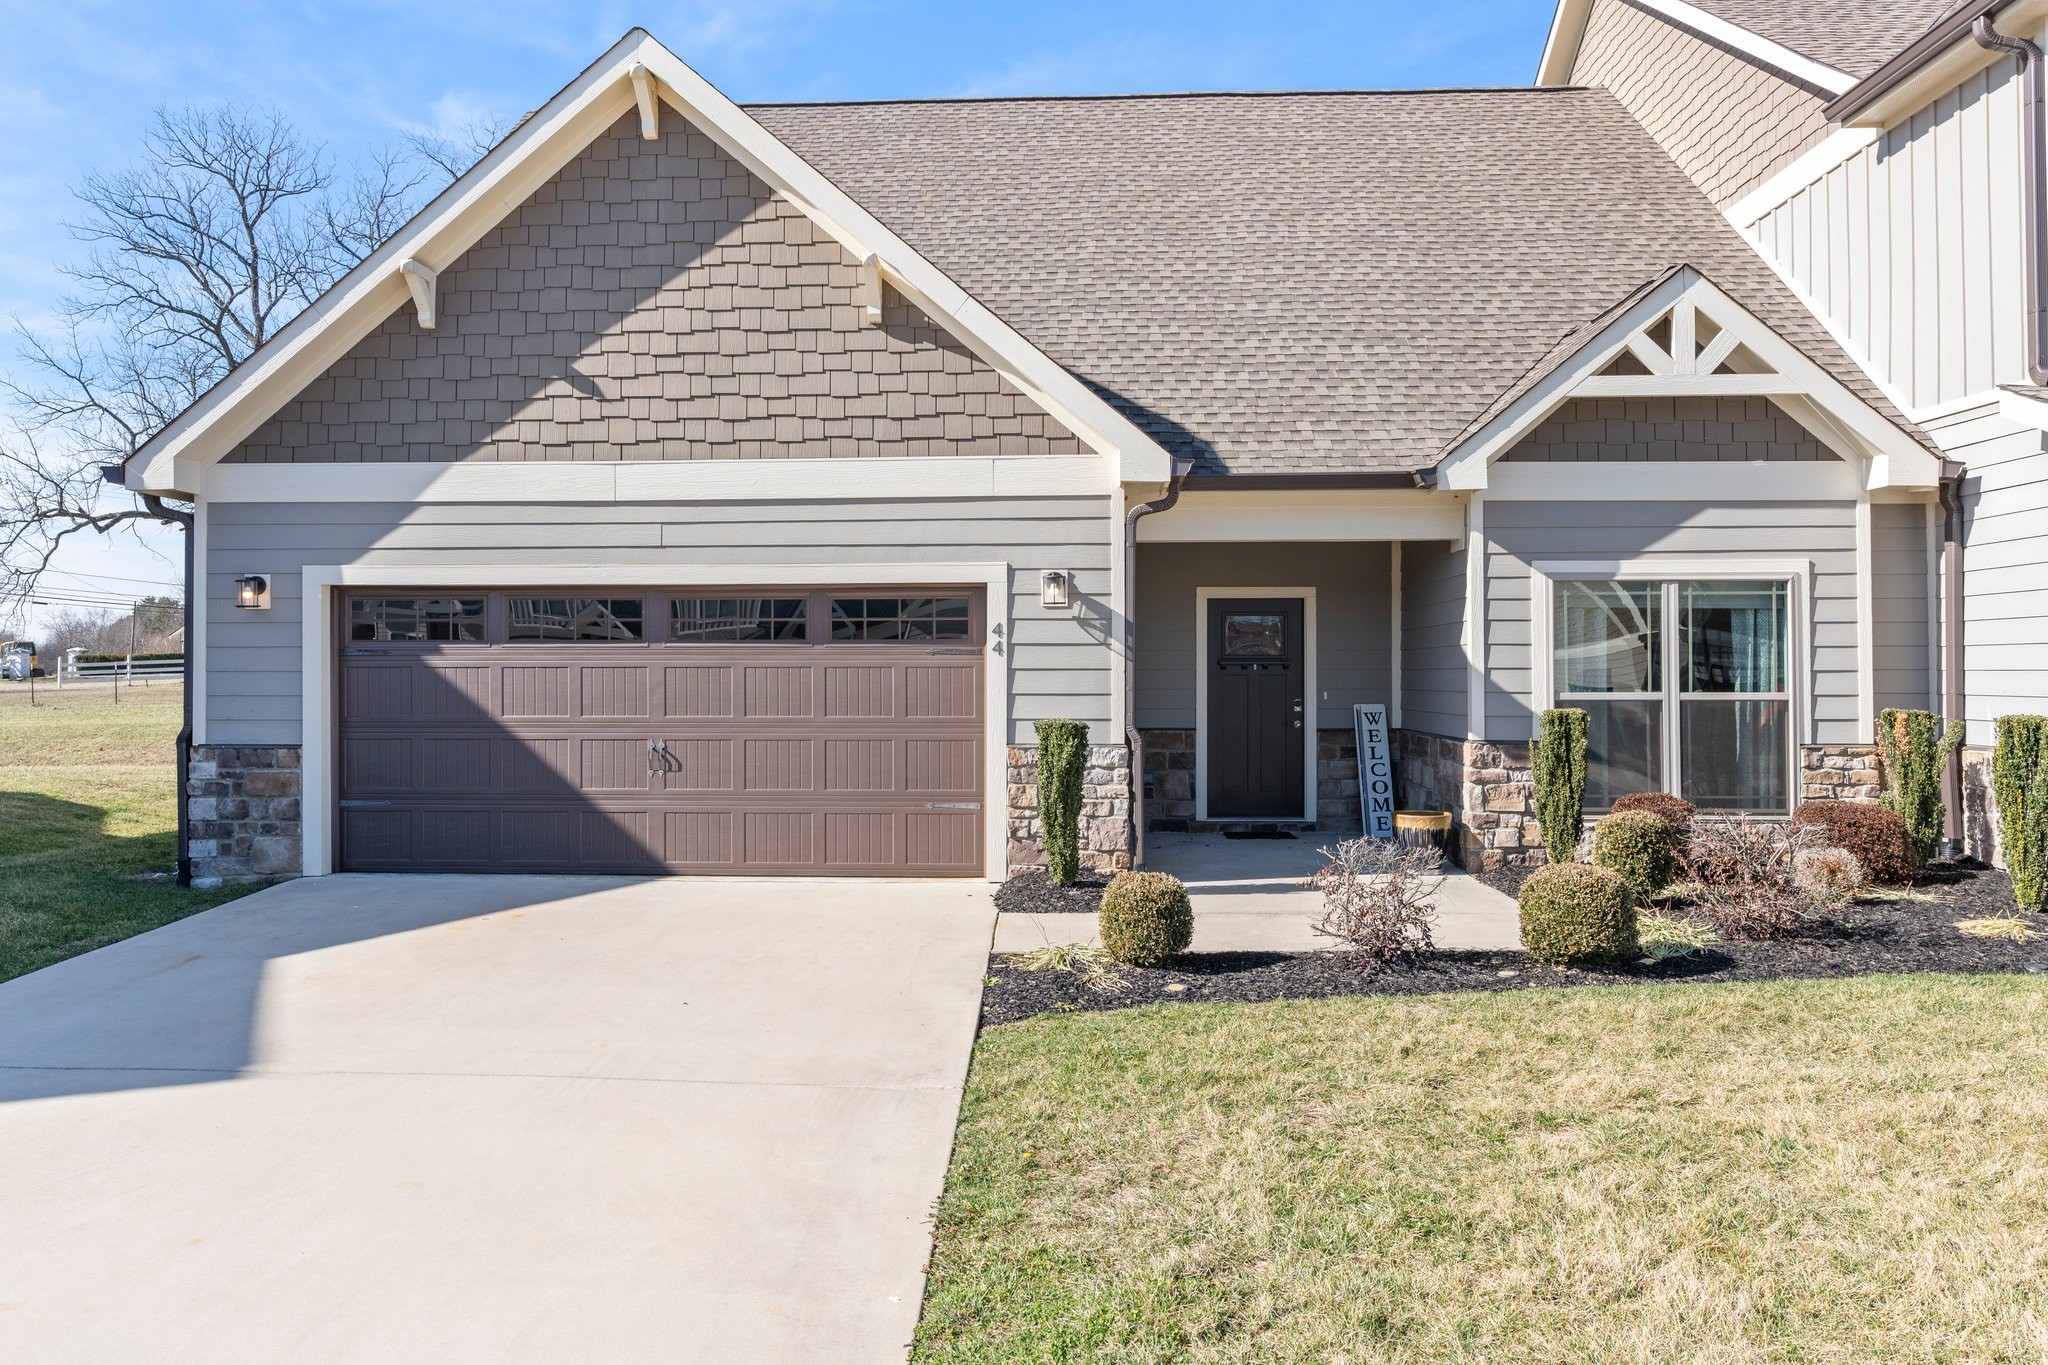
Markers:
1901,604
1523,532
1434,691
1354,620
1912,248
1060,664
2005,564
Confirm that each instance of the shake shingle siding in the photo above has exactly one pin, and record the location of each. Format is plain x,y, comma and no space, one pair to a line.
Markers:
1667,431
1726,121
655,303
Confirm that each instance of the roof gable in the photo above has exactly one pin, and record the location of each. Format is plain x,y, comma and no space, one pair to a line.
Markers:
639,76
655,300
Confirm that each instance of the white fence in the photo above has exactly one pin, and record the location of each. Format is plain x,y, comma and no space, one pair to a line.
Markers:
123,670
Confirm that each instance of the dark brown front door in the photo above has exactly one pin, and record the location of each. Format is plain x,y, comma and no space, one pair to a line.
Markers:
745,731
1257,676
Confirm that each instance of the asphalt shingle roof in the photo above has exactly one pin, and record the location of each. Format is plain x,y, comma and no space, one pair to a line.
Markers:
1853,36
1296,283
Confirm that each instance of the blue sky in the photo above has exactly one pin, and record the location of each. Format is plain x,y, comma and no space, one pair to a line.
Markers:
78,79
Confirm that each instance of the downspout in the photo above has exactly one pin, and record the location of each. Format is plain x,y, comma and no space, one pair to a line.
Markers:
183,520
1132,738
2034,143
1952,643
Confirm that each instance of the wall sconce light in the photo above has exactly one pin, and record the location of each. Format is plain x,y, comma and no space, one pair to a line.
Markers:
1055,588
252,592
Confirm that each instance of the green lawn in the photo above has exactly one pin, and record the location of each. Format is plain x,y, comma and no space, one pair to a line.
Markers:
88,819
1846,1171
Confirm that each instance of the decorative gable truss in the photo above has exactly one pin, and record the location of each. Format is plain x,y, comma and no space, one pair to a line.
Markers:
637,76
1685,338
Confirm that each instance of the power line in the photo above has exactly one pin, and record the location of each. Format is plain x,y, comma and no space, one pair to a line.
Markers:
107,578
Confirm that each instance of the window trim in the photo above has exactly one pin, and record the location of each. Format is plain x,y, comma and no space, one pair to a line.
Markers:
1797,574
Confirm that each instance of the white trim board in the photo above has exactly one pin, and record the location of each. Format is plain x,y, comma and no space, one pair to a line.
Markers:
1689,481
319,729
1311,699
1217,516
1842,421
1568,31
938,476
178,458
1542,630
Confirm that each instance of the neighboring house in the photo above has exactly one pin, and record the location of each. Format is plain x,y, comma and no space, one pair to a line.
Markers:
1885,157
712,489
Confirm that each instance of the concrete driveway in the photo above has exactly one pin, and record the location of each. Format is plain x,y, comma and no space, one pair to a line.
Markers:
489,1119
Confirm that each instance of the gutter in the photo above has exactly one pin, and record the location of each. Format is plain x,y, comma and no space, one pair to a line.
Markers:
171,516
1132,738
1952,473
1909,59
2034,146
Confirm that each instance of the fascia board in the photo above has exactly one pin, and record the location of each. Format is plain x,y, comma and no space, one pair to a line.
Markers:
537,150
1561,48
1754,46
1465,467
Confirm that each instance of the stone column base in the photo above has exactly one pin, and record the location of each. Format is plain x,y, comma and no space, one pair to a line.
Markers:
1486,786
1105,809
244,813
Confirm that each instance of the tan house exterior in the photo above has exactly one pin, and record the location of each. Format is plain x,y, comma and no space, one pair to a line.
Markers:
708,489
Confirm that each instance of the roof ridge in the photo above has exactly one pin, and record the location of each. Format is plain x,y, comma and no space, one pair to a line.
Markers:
1168,95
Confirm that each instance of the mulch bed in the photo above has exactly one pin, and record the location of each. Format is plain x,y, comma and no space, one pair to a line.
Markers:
1033,893
1866,938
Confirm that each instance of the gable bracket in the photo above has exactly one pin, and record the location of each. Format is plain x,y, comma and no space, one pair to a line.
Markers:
650,105
424,284
871,288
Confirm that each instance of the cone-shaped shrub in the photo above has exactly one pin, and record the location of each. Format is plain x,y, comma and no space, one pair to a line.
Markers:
1560,773
1062,763
1915,747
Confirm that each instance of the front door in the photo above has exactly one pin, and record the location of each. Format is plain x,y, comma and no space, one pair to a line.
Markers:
1257,680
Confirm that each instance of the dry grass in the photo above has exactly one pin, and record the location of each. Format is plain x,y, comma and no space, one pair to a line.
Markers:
88,810
1847,1171
2004,927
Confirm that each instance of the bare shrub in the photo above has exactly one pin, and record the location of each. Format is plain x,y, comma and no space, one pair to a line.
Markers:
1379,900
1829,876
1745,869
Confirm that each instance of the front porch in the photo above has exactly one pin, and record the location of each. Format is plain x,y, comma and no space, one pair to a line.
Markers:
1249,896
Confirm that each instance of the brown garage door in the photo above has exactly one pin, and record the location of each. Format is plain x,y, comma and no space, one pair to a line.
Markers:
825,732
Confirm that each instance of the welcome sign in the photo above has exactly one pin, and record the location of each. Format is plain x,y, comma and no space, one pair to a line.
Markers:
1375,771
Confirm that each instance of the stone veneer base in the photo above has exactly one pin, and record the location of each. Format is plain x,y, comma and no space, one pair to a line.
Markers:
1105,809
244,813
1170,785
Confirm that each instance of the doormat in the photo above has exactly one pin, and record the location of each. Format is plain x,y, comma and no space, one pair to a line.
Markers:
1257,834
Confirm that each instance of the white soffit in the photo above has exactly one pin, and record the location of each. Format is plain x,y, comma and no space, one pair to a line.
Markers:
176,459
1674,364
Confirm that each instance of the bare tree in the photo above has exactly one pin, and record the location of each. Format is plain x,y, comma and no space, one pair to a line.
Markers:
228,226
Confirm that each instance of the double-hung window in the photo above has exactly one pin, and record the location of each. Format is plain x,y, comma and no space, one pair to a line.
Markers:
1686,686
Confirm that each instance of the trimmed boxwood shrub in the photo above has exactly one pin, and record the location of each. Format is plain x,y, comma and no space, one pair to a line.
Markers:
1559,765
1062,764
1146,918
2019,782
1636,844
1575,913
1676,810
1876,836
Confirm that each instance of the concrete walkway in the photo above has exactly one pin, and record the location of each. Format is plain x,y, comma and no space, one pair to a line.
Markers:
456,1119
1248,897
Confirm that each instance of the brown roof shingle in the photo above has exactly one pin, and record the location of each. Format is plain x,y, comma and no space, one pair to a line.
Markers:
1295,282
1853,36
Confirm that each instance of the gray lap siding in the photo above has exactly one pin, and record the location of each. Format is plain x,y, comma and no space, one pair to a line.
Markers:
1059,663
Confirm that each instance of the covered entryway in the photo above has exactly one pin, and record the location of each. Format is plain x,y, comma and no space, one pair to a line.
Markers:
773,731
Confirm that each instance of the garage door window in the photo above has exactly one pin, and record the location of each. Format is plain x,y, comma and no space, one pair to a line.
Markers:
416,620
573,618
901,618
736,620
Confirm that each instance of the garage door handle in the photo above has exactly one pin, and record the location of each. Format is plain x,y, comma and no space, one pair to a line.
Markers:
952,805
364,805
